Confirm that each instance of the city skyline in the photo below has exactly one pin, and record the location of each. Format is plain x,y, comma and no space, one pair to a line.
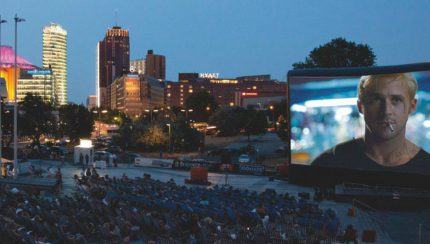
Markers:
231,38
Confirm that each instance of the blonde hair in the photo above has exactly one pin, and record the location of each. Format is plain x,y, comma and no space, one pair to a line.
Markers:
367,81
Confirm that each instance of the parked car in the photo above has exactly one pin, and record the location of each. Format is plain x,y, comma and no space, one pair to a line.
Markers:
58,152
129,157
114,150
244,159
104,156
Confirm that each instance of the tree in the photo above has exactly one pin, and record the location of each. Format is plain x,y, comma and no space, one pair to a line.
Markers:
153,137
7,125
231,121
228,120
255,123
203,105
36,118
282,128
183,136
75,121
338,53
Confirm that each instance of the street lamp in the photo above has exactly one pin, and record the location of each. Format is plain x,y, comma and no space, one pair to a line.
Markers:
272,108
99,122
169,125
1,94
15,104
186,112
151,111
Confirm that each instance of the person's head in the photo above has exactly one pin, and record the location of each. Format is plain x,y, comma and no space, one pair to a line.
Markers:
386,100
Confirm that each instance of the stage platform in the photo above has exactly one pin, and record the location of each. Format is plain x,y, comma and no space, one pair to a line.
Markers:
385,192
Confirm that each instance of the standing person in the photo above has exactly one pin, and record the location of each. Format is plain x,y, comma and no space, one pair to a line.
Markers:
87,160
385,101
81,160
59,176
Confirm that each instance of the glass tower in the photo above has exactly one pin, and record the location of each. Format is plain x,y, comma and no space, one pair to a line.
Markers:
55,58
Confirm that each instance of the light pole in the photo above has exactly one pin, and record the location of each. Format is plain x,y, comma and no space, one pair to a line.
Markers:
169,125
150,111
1,95
272,108
99,122
186,112
15,104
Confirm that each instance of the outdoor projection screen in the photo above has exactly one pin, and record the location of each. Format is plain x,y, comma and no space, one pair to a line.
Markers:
323,113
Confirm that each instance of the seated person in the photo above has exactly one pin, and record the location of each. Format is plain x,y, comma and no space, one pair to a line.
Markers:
385,101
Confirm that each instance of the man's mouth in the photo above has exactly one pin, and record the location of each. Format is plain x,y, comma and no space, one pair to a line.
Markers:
389,124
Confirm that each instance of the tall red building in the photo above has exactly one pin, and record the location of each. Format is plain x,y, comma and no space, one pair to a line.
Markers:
113,60
155,65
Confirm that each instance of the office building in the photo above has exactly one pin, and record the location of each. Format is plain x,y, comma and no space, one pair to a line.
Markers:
126,95
241,91
55,59
113,61
36,81
152,93
155,65
137,66
91,102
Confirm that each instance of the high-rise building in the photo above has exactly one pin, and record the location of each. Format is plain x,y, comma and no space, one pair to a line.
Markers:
155,65
55,59
91,102
113,60
137,66
37,81
126,94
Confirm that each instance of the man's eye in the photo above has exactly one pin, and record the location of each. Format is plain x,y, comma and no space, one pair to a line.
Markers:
373,100
396,100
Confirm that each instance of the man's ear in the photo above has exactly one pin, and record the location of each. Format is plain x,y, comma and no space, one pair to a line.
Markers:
359,106
413,106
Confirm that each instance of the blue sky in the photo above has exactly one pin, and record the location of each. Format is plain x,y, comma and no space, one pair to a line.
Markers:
230,37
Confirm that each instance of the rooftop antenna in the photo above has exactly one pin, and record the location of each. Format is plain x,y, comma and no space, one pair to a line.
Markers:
116,17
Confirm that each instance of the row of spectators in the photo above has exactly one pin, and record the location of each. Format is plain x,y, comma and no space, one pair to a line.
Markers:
123,210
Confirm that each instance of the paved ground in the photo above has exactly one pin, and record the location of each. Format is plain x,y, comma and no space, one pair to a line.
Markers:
391,227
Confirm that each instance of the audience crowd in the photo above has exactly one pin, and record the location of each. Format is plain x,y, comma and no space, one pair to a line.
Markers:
106,209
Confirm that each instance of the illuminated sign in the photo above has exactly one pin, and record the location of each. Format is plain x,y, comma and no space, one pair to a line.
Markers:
223,81
209,75
249,93
39,72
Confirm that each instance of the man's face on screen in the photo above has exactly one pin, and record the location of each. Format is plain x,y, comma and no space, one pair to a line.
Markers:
386,107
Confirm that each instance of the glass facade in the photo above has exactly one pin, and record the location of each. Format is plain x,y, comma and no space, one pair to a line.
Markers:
55,58
37,81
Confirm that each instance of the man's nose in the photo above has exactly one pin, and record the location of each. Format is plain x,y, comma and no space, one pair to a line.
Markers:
387,107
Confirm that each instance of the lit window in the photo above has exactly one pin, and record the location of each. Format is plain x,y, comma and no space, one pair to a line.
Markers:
168,94
254,88
231,104
190,90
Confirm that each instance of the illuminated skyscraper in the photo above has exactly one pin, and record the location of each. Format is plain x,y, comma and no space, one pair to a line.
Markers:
55,58
113,60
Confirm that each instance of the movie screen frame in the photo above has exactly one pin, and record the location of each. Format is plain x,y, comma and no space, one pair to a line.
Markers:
318,122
